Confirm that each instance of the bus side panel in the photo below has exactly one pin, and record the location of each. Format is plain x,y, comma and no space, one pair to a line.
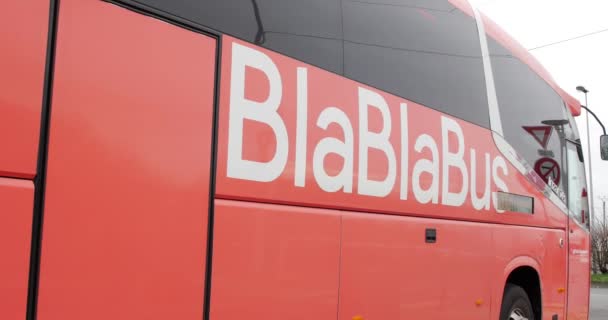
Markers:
127,194
274,262
23,39
16,199
390,271
578,275
291,133
515,246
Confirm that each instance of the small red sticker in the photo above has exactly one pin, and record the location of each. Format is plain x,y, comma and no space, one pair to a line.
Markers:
541,134
548,168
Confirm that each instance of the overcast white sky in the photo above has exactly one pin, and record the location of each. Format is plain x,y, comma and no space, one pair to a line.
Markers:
577,62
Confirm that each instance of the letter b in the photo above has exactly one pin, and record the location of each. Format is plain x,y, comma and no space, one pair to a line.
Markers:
263,112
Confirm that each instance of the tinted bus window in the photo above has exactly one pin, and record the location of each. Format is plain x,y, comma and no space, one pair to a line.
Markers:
425,51
577,189
534,117
308,30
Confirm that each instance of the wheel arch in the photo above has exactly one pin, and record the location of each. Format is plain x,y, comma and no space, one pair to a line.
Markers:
524,272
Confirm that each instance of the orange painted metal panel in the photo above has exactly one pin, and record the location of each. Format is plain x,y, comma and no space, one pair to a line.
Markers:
23,39
388,271
579,258
290,133
16,201
274,262
126,211
540,249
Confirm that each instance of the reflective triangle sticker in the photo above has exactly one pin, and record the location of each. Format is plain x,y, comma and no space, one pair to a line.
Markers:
541,134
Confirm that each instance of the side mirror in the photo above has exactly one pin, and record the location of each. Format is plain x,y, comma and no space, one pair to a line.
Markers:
604,147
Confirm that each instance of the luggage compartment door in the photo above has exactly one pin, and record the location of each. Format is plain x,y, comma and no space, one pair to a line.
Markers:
128,173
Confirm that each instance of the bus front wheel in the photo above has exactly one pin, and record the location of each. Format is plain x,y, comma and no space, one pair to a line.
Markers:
516,304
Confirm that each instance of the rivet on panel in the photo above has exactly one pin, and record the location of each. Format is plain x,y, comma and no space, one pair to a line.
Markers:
478,302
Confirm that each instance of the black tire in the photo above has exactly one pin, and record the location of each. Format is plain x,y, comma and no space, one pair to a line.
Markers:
515,301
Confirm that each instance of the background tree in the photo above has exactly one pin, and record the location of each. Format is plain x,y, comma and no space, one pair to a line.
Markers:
599,244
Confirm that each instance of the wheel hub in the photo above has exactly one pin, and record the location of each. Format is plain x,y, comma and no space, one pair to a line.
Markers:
517,314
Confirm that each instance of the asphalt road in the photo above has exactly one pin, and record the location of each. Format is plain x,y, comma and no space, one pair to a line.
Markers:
599,304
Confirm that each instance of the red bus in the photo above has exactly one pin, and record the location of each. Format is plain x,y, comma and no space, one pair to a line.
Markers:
274,159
